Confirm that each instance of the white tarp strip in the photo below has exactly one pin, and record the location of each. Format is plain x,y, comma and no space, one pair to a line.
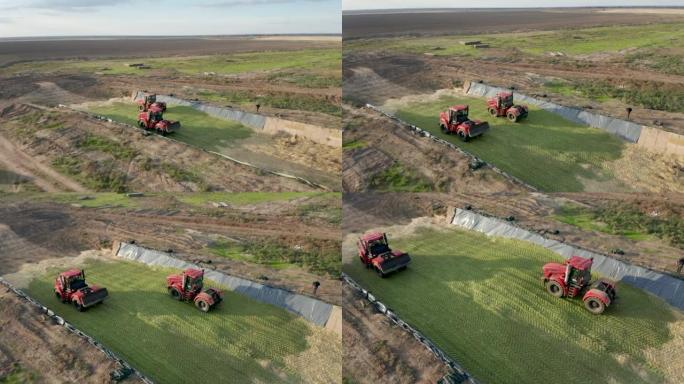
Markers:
666,287
624,129
313,310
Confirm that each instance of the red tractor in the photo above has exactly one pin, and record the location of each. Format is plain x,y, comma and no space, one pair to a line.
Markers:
502,105
573,277
153,119
188,287
375,253
71,287
148,100
455,120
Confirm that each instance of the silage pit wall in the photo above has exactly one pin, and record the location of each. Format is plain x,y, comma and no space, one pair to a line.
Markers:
625,130
269,125
665,287
313,310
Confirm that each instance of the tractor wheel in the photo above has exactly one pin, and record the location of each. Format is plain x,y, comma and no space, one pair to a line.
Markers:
463,137
141,124
493,112
512,117
380,273
175,294
78,306
58,296
202,305
444,129
594,306
554,288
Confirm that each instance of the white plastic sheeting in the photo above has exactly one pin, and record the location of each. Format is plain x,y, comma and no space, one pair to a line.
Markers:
624,129
666,287
313,310
246,118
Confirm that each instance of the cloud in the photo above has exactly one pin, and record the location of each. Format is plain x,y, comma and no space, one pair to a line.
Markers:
237,3
62,5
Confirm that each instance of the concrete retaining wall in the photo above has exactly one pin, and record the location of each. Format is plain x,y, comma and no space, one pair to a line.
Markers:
266,124
666,287
313,310
657,140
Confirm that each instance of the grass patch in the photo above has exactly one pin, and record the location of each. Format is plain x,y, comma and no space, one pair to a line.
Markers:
197,128
544,149
100,176
399,179
172,341
573,42
353,144
95,200
625,221
308,59
242,198
99,143
319,259
479,298
18,375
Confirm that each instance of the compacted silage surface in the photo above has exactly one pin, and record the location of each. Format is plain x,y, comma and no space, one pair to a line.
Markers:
481,300
173,342
197,128
544,150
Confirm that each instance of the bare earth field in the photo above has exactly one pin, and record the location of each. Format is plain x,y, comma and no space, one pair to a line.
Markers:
360,24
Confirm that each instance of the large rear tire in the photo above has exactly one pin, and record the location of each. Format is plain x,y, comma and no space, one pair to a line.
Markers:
464,138
175,294
594,305
512,117
202,305
554,288
493,112
444,129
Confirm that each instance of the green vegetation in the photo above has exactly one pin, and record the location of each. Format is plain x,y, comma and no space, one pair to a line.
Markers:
172,341
242,198
573,42
197,128
18,375
319,259
247,99
479,298
624,220
645,94
399,179
313,60
544,149
96,175
99,143
354,144
659,60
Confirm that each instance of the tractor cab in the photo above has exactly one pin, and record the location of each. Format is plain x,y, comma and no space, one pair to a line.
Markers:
146,102
193,280
376,243
458,114
72,280
579,271
504,99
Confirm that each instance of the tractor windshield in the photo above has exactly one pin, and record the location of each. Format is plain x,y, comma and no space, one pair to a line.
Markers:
507,101
460,115
378,247
76,283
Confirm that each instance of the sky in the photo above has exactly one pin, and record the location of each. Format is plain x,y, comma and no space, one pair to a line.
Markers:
167,17
391,4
